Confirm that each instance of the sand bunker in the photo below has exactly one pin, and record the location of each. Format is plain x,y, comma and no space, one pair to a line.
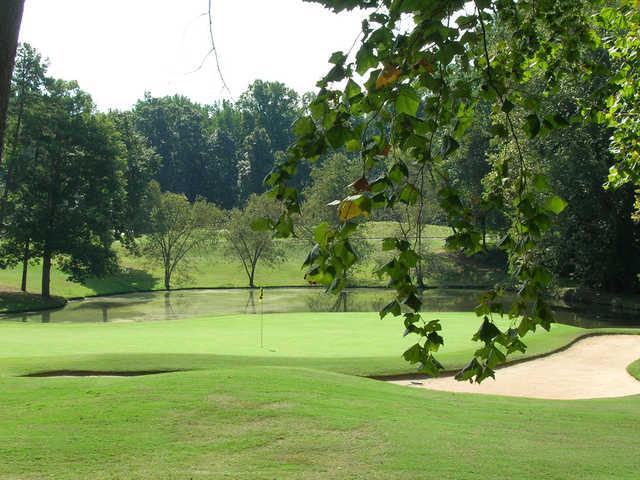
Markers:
594,367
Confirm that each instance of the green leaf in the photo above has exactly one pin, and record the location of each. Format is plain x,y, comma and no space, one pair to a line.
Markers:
323,234
337,58
487,332
262,225
409,194
541,183
413,354
388,244
409,258
313,254
408,101
365,59
303,127
413,302
507,106
398,173
391,308
498,130
555,204
436,341
469,371
449,145
532,127
352,89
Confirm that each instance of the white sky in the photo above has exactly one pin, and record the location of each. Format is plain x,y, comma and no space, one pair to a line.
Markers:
118,49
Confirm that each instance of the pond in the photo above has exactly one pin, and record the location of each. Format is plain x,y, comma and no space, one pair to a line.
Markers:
175,305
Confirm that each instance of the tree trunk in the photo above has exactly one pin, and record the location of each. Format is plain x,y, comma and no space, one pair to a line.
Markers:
10,19
25,266
46,274
167,279
251,275
420,275
484,232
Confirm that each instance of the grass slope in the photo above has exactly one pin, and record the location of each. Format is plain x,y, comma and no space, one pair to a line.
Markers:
284,411
634,369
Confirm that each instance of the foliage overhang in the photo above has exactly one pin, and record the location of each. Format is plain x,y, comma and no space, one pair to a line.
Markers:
408,94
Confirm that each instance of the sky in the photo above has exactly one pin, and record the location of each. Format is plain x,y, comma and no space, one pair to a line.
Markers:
118,49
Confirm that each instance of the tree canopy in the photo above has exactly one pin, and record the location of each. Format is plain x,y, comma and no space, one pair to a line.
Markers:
405,100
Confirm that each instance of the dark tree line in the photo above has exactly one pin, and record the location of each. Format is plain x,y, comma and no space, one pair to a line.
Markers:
222,152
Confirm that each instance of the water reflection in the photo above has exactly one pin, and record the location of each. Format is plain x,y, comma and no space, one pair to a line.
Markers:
250,306
200,303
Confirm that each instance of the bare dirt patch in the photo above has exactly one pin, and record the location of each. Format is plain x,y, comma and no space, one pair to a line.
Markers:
594,367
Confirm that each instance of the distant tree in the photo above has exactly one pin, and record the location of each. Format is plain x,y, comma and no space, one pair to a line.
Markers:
177,129
142,164
256,162
177,228
271,106
596,243
227,117
245,243
222,176
468,166
329,181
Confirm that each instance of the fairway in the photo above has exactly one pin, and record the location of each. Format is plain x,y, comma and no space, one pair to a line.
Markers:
293,409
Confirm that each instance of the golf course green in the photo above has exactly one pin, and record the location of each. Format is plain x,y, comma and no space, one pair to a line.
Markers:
297,407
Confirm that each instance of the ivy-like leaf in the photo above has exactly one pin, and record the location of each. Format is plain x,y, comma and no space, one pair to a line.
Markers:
532,125
555,204
303,127
262,225
388,76
392,308
408,101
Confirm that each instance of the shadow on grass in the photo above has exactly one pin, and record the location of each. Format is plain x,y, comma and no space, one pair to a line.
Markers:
21,301
127,280
456,269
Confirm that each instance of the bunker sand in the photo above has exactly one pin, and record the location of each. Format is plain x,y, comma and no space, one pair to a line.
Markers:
594,367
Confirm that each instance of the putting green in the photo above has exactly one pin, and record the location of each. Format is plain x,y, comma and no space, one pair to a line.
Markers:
283,411
358,343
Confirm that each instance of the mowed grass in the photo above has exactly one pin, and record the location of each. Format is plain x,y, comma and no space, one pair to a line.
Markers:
291,410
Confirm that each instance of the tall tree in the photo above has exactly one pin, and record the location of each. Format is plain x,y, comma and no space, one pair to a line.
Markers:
69,184
27,87
10,19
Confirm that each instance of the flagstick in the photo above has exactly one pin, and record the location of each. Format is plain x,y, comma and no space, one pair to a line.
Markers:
261,318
